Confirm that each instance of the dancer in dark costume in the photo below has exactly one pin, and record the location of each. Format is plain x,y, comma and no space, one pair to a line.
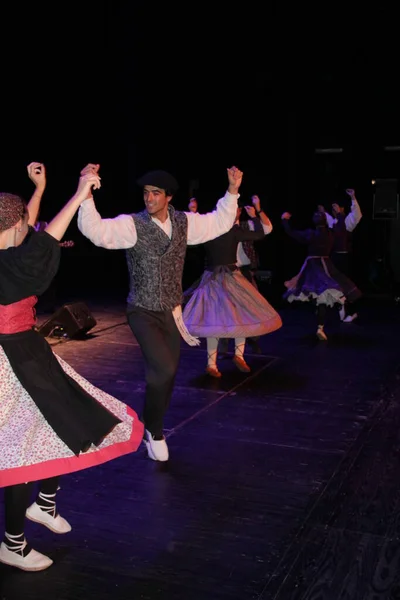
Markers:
247,259
224,304
193,205
318,280
194,258
343,225
52,421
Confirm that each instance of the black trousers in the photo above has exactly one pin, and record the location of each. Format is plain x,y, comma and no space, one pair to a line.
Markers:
343,262
321,314
160,342
16,501
248,272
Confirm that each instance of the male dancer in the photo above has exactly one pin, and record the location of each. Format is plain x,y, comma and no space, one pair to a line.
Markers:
155,241
194,259
342,226
193,205
248,260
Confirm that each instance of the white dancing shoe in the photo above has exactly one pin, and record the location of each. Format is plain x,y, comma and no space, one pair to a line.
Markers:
156,449
33,561
56,524
350,318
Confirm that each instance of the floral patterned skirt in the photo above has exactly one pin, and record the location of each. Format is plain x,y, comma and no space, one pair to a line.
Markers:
30,448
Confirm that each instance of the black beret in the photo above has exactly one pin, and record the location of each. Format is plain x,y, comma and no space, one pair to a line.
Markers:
160,179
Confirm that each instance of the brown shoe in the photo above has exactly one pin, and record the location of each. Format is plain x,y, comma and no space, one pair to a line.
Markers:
213,371
241,364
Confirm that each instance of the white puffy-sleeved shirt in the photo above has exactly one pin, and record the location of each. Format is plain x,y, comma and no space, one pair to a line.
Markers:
119,233
351,220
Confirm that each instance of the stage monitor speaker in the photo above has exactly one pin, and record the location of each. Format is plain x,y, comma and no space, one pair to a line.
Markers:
386,199
71,321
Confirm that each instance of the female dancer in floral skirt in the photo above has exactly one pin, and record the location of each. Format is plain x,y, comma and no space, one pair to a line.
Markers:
52,421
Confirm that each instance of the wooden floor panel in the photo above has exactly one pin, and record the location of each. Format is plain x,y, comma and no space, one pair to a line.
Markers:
282,484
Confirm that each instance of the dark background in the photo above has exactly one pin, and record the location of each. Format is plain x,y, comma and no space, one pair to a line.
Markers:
193,89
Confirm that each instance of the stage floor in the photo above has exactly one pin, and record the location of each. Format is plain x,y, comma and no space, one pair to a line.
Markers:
282,484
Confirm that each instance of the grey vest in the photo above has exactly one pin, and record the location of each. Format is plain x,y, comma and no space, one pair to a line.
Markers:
155,262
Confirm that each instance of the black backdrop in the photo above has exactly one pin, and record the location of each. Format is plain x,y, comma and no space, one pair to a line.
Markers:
136,86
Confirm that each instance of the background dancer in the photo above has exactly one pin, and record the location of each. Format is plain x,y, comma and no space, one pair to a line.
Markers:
193,205
319,280
247,259
224,304
343,225
194,258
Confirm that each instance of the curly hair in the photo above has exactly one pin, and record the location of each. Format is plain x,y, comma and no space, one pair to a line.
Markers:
12,210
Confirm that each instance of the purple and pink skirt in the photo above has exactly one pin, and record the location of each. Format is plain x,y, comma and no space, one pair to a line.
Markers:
224,304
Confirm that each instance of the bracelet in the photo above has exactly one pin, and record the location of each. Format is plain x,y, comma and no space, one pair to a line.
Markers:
258,212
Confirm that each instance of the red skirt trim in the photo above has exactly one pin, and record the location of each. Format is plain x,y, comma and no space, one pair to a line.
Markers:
62,466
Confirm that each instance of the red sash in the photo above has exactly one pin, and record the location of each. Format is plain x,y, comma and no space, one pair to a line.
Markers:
19,316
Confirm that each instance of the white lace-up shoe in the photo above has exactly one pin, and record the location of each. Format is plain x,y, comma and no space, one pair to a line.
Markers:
56,524
156,449
350,318
33,561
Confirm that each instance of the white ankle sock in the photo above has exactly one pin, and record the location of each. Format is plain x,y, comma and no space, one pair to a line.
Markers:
239,347
212,350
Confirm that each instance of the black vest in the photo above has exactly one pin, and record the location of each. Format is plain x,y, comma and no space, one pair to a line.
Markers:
155,262
341,237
